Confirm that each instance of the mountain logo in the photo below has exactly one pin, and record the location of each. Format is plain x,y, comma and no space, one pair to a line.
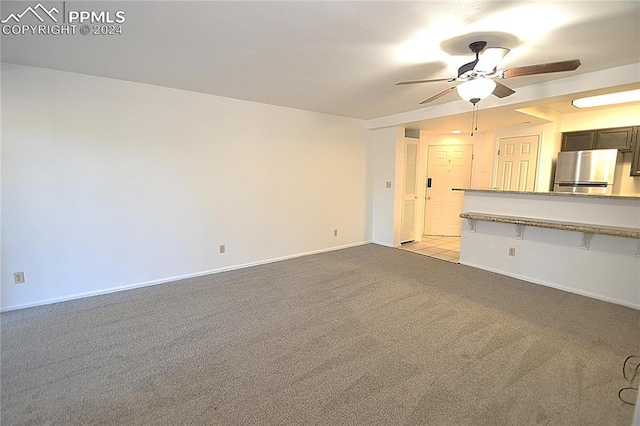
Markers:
34,11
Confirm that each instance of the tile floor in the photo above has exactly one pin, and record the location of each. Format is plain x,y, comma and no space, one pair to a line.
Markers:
444,248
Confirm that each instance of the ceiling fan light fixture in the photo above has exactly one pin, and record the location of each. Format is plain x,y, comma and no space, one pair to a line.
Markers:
608,99
476,90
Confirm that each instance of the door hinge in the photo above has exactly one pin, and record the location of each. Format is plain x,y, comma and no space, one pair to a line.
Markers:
498,152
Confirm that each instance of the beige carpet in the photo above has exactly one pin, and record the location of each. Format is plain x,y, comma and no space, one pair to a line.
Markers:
362,336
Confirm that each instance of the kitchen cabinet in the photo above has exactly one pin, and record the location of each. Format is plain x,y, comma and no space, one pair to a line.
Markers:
635,162
578,141
620,138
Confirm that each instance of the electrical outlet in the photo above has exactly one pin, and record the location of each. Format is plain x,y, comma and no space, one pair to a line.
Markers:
222,249
388,184
512,251
18,277
335,232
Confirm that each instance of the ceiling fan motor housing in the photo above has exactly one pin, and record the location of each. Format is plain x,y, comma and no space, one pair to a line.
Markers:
476,47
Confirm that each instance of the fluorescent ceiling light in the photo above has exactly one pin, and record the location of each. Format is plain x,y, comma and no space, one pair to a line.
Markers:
608,99
456,132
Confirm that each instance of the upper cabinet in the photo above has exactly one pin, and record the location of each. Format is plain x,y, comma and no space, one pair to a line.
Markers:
620,138
635,162
578,141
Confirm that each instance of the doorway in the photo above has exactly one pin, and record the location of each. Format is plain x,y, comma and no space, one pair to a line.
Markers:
517,163
448,167
410,191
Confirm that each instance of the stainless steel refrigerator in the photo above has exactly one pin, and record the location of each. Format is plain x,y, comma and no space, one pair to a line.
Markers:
587,172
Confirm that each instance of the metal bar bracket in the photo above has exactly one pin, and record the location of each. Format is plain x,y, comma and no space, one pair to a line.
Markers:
472,225
586,239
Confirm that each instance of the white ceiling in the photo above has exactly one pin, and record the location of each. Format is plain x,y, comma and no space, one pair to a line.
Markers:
337,57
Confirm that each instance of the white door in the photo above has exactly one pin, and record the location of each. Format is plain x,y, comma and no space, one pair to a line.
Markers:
517,163
410,198
448,166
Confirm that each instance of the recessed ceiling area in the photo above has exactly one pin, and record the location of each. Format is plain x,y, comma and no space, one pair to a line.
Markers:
339,57
526,113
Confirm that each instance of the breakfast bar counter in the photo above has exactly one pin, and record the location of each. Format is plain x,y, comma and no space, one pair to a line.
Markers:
546,193
584,243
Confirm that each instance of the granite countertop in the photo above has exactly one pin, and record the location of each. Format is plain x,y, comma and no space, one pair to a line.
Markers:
555,224
549,193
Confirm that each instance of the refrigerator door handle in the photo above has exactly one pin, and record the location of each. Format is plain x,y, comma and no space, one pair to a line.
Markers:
593,184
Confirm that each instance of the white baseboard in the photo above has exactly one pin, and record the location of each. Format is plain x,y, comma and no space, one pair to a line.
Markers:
381,243
172,279
556,286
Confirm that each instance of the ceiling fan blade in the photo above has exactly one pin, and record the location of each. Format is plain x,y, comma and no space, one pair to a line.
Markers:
502,91
402,83
490,58
438,95
542,68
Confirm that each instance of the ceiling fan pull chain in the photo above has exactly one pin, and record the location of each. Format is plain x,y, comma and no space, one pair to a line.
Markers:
473,112
474,118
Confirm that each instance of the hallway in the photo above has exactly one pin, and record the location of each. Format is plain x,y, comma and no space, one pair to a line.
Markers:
440,247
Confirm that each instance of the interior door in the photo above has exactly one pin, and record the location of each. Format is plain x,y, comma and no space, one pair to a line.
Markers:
410,197
517,163
448,166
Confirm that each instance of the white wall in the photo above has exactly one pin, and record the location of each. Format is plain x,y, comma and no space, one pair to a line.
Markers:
109,184
611,117
387,145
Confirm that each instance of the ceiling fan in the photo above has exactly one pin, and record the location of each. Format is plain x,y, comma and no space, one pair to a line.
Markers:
478,77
